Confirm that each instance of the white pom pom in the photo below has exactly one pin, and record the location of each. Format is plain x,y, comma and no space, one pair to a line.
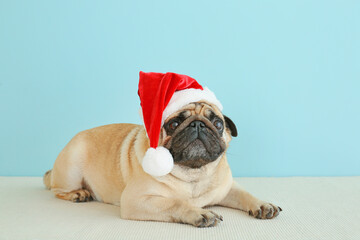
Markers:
158,162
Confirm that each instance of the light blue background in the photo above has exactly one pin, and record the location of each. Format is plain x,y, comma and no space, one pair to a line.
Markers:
287,73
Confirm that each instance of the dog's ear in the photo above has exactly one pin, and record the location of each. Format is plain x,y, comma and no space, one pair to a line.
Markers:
231,125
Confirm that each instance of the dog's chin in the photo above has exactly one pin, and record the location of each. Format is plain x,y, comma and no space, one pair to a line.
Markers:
195,155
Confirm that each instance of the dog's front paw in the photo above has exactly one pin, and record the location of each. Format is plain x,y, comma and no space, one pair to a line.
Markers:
265,211
202,218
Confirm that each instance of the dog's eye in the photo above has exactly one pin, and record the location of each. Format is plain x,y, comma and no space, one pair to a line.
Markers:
174,125
218,124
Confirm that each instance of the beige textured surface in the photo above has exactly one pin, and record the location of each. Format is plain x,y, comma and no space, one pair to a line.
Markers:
313,208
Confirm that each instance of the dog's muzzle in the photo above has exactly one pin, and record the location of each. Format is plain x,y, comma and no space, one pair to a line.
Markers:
196,145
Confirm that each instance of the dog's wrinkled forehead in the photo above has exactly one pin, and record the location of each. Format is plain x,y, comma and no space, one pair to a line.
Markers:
198,108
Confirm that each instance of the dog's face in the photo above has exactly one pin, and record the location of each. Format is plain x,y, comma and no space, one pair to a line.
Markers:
197,134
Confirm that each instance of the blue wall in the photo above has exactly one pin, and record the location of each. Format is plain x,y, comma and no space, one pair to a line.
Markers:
287,73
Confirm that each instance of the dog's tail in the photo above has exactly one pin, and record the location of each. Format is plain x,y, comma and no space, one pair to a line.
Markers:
47,179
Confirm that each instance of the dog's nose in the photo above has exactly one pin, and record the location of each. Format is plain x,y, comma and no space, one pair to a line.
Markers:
197,124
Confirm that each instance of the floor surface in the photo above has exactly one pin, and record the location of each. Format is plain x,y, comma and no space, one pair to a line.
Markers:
313,208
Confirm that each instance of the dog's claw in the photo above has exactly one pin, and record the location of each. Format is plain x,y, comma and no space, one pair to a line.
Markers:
265,211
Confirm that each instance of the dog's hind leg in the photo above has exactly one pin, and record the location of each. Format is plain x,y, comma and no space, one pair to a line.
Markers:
81,195
66,179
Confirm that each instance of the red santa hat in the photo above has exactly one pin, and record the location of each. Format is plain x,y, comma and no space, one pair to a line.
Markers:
162,94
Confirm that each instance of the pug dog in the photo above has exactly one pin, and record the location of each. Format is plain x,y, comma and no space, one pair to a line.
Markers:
103,164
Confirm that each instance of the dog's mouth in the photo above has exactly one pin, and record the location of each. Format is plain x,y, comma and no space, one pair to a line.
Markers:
196,148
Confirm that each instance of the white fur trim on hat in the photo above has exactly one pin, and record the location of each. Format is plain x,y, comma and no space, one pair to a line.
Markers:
184,97
157,162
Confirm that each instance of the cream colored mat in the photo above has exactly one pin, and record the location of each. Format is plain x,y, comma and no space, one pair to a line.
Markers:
313,208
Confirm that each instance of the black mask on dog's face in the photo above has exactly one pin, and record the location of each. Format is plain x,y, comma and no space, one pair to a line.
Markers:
196,135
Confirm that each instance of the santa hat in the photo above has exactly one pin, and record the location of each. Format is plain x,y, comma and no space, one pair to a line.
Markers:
162,94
